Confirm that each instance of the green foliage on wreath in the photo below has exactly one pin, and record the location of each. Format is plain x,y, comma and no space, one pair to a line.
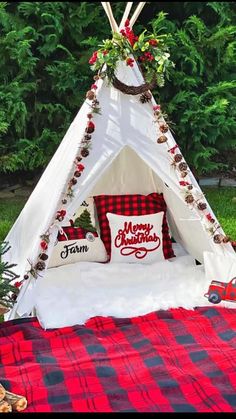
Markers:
147,49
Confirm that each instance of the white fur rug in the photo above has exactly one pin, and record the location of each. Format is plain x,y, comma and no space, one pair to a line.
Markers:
72,294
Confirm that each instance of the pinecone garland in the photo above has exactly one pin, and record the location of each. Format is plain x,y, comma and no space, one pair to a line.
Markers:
183,174
162,139
189,199
77,173
84,152
78,159
202,206
183,166
40,266
163,127
145,97
190,187
64,201
178,158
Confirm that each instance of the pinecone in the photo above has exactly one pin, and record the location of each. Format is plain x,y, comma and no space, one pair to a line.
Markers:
89,115
218,238
43,256
40,266
189,199
183,174
73,181
90,95
64,201
78,158
190,187
178,158
162,139
89,130
145,97
84,152
77,173
163,127
202,206
96,77
226,239
183,166
87,137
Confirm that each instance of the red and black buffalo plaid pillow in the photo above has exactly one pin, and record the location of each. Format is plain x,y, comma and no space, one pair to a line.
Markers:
134,204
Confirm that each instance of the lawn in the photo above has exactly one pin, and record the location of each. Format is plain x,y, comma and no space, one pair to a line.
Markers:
220,201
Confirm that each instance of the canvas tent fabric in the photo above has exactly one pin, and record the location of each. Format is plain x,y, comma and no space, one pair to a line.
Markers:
125,158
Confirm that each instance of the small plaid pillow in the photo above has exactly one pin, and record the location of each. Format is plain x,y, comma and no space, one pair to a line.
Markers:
135,204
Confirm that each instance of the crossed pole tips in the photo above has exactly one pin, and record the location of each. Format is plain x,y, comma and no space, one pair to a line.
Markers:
113,23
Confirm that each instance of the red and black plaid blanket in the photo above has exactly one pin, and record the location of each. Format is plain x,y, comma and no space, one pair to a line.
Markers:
168,361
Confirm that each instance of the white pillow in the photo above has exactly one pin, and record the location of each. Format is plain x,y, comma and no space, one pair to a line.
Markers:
136,239
81,242
90,249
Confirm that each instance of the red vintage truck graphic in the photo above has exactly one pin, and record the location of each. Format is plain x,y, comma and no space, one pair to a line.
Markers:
221,291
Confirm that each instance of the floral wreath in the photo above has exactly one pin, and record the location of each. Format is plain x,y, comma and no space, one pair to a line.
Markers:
149,51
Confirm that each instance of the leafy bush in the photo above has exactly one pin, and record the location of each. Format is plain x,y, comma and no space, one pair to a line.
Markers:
44,74
200,97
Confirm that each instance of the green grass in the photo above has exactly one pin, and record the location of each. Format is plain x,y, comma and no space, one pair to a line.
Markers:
9,211
220,200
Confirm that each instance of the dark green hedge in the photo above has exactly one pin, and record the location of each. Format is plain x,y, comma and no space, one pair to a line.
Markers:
44,74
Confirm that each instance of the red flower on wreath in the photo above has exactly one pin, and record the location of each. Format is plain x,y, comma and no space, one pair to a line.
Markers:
153,42
94,57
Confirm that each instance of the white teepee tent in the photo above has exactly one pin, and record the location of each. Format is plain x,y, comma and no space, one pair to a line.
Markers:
125,158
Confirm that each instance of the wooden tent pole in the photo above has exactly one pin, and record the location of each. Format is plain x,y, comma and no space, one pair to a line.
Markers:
107,7
126,13
137,13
